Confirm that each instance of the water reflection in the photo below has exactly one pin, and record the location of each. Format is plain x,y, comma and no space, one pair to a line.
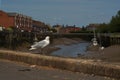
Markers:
71,50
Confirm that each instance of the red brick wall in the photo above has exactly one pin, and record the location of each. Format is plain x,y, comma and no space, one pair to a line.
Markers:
5,20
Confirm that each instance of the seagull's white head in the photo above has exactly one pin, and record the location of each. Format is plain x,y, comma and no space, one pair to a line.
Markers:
47,38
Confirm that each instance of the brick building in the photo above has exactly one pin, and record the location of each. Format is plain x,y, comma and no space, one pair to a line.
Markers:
66,29
19,21
69,29
92,27
39,26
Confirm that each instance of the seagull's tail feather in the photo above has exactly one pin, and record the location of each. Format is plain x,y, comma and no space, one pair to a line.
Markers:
32,48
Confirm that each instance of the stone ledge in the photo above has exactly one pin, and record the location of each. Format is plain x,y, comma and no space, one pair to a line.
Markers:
77,65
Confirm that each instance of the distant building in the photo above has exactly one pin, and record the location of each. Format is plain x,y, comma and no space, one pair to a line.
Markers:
91,27
69,29
16,20
66,29
39,26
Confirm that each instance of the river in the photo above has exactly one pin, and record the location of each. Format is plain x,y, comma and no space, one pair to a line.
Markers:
71,50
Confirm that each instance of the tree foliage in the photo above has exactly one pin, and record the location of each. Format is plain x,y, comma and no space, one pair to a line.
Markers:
103,28
113,26
115,23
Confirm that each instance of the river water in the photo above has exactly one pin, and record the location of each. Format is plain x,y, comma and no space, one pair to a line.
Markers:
71,50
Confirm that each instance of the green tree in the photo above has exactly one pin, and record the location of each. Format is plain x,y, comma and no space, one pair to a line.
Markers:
103,28
114,25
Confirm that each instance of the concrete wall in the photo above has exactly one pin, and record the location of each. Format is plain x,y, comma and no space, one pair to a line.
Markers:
76,65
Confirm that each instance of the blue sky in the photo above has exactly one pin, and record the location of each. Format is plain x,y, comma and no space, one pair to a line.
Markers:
67,12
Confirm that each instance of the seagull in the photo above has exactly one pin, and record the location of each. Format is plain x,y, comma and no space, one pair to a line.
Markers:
40,44
102,48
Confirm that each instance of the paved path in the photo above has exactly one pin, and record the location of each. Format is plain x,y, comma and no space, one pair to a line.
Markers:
18,71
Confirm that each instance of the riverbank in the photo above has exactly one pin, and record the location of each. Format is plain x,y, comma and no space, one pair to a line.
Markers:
51,47
111,53
97,65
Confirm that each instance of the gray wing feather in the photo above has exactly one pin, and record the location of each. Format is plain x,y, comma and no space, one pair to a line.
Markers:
39,44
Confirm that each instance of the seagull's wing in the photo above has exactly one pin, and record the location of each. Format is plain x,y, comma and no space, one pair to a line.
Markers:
42,43
46,43
39,44
35,44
